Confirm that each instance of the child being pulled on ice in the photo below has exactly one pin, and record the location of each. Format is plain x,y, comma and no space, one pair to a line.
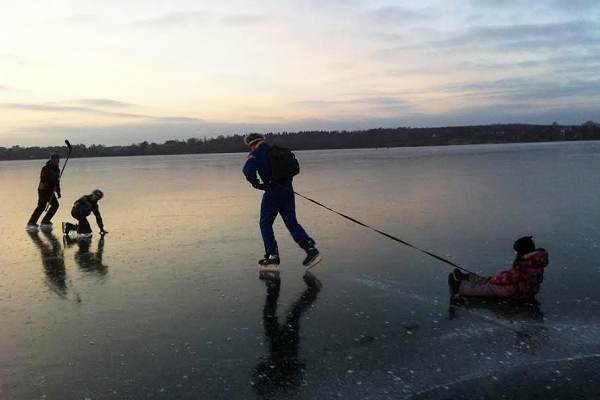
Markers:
522,281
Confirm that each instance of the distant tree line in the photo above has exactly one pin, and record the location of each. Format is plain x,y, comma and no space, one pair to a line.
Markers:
313,140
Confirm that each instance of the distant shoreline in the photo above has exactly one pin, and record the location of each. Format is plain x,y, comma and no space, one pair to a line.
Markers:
330,140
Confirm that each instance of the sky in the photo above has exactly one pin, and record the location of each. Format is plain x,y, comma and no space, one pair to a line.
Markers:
121,72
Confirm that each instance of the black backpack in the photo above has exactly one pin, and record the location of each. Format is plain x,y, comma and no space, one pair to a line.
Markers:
283,163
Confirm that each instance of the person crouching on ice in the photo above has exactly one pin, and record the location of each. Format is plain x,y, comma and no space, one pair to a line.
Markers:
277,199
521,282
82,208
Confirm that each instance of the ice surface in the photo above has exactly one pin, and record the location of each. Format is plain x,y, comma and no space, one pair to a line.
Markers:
170,304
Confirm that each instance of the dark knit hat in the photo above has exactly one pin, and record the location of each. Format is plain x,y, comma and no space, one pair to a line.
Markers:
54,156
524,245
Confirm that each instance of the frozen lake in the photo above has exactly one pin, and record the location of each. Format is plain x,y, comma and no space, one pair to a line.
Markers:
169,304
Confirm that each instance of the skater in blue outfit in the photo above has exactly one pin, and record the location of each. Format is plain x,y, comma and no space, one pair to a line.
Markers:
277,199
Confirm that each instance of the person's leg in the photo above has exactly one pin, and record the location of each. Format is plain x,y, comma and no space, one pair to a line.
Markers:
477,279
84,225
269,209
71,227
51,211
67,226
288,214
41,205
481,288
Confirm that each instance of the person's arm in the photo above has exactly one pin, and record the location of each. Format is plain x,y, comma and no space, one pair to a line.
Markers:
50,181
46,176
505,278
527,269
47,180
250,170
99,221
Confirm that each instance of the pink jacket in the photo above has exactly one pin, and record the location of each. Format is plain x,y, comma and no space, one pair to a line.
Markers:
524,279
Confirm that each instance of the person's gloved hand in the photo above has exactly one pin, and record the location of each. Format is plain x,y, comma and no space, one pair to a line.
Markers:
262,186
58,195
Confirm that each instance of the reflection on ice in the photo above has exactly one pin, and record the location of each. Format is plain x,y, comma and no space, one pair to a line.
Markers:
524,318
87,260
282,372
53,261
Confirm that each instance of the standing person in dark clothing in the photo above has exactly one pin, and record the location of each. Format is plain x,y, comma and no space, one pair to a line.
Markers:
82,208
49,184
277,199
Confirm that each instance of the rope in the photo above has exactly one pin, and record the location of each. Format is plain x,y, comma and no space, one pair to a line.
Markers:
442,259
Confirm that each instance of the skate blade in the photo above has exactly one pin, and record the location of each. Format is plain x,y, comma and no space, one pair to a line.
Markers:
83,236
314,262
45,228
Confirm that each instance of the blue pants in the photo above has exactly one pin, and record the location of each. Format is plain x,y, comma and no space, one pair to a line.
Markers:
280,200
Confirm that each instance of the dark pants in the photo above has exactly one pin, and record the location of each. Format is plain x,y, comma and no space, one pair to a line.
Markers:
43,198
280,200
83,225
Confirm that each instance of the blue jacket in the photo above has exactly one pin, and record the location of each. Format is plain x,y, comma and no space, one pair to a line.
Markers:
258,162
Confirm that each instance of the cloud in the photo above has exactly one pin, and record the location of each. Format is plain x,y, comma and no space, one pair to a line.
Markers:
575,5
68,109
529,37
175,19
177,120
527,91
44,107
59,108
498,39
366,101
398,15
102,103
383,100
579,30
244,19
83,18
313,6
510,4
366,105
501,49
